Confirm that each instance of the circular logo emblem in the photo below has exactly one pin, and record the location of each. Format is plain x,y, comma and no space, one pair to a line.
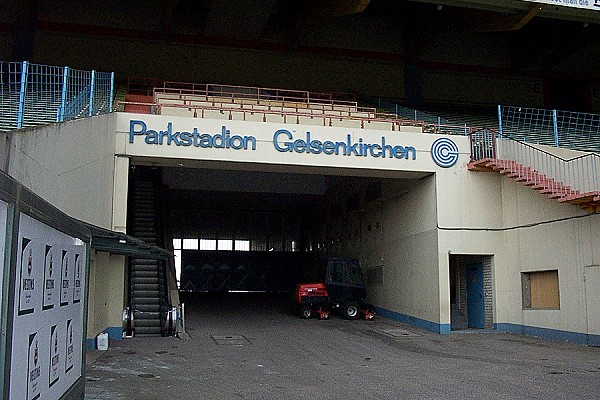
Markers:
444,152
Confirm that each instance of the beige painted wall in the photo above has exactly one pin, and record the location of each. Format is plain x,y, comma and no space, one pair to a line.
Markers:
406,248
70,165
567,246
487,206
475,212
106,288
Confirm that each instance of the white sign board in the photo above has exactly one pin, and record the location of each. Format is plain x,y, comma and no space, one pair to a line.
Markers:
47,335
587,4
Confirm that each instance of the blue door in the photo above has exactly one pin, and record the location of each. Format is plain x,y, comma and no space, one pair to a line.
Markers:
475,308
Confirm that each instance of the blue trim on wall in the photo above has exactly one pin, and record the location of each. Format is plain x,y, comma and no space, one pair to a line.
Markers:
414,321
553,334
114,333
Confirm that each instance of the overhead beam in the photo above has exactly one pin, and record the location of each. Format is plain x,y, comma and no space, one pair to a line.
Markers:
534,10
337,8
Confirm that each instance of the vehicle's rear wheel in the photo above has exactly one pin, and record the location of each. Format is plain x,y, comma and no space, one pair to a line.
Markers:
306,312
350,310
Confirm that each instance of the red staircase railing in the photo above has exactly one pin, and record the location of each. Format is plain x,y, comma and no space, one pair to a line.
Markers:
575,180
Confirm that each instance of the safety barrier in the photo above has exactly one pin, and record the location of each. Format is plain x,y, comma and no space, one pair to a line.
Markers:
268,105
36,94
567,129
575,180
567,177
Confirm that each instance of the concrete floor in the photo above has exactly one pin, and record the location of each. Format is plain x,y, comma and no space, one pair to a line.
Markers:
250,347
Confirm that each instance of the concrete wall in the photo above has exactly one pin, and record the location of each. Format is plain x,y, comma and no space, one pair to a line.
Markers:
106,286
467,204
404,248
424,214
565,245
483,213
70,165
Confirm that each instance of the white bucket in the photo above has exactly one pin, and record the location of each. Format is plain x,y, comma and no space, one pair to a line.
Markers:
102,341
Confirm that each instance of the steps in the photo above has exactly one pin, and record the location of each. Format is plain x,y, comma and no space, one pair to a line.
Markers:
537,181
147,292
138,103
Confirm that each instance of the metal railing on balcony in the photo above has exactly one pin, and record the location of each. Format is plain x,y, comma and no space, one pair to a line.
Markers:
561,178
565,177
567,129
36,94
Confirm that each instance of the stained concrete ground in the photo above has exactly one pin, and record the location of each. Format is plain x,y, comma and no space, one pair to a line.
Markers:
251,347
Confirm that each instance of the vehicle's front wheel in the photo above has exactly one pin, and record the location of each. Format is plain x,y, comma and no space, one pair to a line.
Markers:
306,312
350,310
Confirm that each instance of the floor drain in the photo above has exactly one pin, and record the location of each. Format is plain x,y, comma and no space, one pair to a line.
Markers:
398,333
230,339
146,375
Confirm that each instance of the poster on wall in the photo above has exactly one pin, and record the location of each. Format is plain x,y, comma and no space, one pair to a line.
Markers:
27,292
47,312
65,289
50,275
54,373
77,280
33,368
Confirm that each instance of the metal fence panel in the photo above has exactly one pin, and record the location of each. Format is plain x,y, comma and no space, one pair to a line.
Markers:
567,129
36,94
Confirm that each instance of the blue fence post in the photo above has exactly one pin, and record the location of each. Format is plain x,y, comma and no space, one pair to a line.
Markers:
499,120
22,91
555,126
111,95
63,100
91,105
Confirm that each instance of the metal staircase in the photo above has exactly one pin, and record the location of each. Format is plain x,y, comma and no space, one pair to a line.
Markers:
574,180
148,298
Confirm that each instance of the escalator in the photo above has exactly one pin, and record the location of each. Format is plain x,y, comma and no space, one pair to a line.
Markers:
147,287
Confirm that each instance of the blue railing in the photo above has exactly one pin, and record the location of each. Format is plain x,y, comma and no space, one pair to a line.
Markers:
36,94
567,129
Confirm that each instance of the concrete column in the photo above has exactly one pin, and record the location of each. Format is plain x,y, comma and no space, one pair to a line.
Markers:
120,190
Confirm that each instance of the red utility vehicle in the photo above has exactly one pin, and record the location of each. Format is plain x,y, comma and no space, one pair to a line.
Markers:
333,284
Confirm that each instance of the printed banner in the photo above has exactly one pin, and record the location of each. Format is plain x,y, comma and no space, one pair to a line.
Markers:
50,275
54,371
33,368
69,346
65,287
77,280
47,312
587,4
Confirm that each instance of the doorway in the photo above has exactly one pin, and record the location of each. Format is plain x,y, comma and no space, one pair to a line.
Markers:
471,301
475,306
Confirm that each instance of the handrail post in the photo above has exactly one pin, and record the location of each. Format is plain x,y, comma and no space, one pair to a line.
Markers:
22,90
500,120
555,126
91,104
63,100
111,94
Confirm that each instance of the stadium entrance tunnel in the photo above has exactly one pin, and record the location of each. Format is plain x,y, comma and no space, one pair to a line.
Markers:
242,236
